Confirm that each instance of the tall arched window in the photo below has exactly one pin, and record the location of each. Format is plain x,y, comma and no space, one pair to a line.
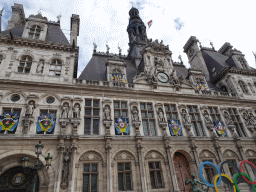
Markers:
25,64
55,68
243,86
34,32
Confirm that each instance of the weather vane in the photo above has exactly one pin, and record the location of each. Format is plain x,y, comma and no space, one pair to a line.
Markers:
59,16
131,3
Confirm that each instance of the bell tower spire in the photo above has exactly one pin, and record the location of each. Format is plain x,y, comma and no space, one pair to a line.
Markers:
137,33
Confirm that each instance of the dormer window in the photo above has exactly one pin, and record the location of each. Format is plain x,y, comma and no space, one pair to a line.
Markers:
243,87
34,32
25,64
55,68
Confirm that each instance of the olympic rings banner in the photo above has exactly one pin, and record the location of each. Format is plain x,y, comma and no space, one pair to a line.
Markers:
237,178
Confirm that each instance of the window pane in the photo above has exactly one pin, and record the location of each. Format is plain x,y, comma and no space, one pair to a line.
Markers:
87,126
143,114
173,107
30,36
52,67
94,167
58,68
152,127
87,112
120,181
117,113
51,73
145,127
149,106
194,128
152,178
196,117
96,112
174,116
22,64
88,103
86,183
200,129
124,113
128,181
159,179
20,70
166,107
194,109
123,105
116,105
120,166
28,65
168,116
150,165
86,167
36,36
16,111
96,126
5,111
142,106
157,164
127,166
96,103
94,182
27,70
150,115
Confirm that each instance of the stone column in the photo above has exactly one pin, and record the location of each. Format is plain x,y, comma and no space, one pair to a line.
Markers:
241,151
141,164
193,148
72,164
173,175
58,175
108,148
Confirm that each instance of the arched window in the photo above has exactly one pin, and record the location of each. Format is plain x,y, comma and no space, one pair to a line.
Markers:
25,64
1,58
55,68
243,87
34,32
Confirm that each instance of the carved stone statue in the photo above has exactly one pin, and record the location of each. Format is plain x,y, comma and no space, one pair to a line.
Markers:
40,67
246,118
207,118
252,119
76,111
65,169
194,183
160,115
65,110
228,118
30,109
107,113
135,116
173,78
94,46
159,61
120,50
107,48
185,116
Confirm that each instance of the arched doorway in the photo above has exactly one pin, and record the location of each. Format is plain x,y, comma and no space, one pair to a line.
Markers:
182,171
16,180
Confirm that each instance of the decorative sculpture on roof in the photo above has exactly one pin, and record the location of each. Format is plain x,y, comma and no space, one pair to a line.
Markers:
30,109
107,48
157,46
1,11
119,49
194,183
94,46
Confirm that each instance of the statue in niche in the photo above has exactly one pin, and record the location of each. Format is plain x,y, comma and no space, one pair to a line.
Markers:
161,118
65,169
228,118
159,62
65,110
107,113
246,118
207,118
94,46
135,116
252,119
76,111
40,67
30,109
185,116
173,78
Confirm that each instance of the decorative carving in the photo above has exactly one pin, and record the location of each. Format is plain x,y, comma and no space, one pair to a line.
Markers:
65,169
154,155
90,156
206,154
64,111
160,114
250,153
94,47
123,155
14,54
185,116
40,67
191,52
27,121
107,113
30,108
76,111
156,46
228,119
249,120
135,116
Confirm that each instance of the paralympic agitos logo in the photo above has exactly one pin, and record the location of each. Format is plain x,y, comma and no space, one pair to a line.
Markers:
237,178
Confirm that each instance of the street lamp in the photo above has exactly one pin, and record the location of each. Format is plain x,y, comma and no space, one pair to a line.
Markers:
36,165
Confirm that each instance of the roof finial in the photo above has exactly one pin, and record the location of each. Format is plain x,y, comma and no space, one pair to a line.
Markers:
200,44
94,46
58,17
131,3
180,58
39,11
120,50
212,46
107,47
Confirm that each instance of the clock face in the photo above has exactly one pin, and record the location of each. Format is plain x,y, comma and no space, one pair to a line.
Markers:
162,77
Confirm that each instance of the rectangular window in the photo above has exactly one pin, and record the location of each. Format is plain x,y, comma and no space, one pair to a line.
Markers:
91,117
155,173
237,121
120,109
90,178
124,176
148,120
196,121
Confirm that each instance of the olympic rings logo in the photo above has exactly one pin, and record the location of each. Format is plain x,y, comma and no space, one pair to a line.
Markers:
238,177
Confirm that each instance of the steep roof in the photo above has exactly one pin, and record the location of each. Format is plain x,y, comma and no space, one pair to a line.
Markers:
54,33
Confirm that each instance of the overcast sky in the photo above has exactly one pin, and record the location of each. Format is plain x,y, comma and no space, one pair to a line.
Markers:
174,22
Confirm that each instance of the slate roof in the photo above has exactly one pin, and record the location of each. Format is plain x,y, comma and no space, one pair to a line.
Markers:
96,69
54,33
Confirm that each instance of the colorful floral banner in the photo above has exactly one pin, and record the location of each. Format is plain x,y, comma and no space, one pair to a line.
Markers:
220,128
9,122
200,86
122,125
45,123
118,77
175,127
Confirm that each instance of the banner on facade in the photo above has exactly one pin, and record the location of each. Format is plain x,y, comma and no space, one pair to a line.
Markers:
220,128
9,122
122,125
175,127
45,123
118,77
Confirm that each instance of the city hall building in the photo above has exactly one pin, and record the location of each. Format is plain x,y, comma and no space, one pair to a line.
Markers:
139,122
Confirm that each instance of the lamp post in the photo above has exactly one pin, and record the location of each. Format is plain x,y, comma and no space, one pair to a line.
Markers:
36,165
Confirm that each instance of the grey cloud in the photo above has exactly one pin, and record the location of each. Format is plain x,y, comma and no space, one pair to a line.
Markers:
178,24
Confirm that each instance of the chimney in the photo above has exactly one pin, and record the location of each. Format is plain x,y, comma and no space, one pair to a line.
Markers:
18,16
74,28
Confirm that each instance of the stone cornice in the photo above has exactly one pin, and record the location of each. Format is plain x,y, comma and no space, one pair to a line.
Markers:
37,43
233,70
